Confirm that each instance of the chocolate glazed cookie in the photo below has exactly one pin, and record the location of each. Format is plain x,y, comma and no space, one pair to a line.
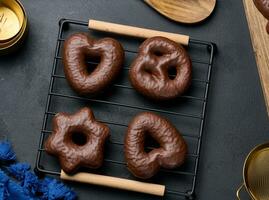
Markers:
263,7
77,140
149,73
79,47
172,151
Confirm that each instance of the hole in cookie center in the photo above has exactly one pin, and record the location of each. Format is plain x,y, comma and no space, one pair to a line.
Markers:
148,69
92,62
172,72
150,143
157,53
79,138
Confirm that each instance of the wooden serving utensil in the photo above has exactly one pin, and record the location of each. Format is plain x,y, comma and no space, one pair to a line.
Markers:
184,11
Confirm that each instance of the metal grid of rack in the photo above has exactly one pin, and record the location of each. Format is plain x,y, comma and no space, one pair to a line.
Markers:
186,173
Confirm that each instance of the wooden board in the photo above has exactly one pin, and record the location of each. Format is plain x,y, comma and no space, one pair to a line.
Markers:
260,41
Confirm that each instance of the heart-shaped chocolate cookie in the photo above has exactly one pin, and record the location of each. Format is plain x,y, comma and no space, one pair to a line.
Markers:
263,7
170,154
79,47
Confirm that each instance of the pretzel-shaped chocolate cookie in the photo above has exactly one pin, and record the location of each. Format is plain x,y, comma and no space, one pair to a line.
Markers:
263,7
172,151
149,73
77,48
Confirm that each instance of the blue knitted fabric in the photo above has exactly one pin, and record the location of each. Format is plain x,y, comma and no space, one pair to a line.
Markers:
18,182
6,152
10,190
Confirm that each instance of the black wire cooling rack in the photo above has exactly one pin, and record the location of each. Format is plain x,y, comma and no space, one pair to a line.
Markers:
121,103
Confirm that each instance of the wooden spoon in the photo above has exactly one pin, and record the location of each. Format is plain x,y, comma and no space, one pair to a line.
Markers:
184,11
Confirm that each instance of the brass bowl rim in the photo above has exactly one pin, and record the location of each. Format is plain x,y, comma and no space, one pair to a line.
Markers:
14,40
248,159
22,24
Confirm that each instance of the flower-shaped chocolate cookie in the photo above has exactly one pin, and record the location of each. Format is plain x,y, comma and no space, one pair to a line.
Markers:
77,140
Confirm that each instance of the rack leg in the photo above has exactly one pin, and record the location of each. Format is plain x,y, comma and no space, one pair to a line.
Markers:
191,196
38,172
64,24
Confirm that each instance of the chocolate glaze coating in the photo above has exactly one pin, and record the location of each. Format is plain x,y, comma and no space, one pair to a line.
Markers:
77,48
263,7
72,156
149,71
172,151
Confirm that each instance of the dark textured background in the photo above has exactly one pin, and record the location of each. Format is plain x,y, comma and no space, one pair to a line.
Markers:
236,120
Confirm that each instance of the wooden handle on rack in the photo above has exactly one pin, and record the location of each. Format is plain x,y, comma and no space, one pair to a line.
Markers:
114,182
135,31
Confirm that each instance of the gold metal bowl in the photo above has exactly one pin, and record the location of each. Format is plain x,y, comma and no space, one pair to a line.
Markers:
256,173
13,25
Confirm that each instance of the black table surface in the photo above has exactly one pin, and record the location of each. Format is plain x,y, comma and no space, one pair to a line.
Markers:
236,120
